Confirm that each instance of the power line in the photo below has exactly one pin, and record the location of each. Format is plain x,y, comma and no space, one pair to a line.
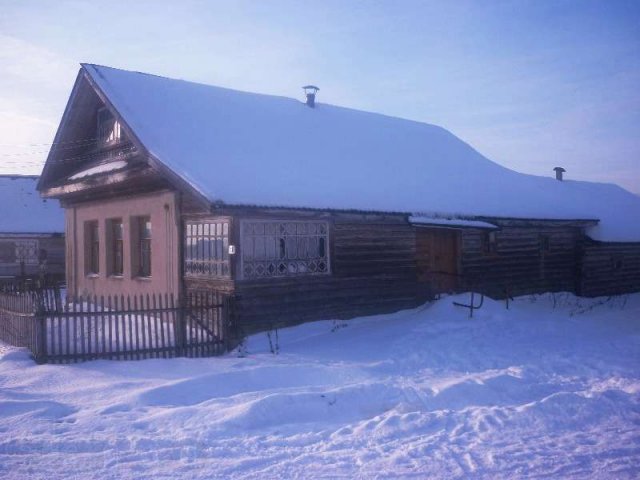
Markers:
88,139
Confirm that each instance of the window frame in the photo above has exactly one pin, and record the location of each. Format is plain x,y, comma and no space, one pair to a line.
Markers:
114,129
206,250
142,244
115,247
545,243
489,243
326,247
92,247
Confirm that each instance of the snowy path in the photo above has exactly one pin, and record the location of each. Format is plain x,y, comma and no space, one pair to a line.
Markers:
533,392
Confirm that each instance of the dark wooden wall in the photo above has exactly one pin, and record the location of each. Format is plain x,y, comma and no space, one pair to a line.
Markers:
55,263
437,258
519,265
609,268
373,270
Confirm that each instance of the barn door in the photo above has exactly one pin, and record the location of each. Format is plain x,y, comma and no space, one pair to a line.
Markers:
437,262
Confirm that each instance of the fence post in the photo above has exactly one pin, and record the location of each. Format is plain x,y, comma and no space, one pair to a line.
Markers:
228,331
181,327
41,334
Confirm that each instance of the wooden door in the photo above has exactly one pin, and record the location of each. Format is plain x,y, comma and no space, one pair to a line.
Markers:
437,262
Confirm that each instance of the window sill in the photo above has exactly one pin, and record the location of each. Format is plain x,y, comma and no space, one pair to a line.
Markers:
116,277
92,275
143,279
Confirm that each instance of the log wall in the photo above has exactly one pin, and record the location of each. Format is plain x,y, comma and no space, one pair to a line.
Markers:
519,264
609,268
373,270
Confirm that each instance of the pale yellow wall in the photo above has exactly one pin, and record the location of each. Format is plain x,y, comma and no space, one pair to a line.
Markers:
162,207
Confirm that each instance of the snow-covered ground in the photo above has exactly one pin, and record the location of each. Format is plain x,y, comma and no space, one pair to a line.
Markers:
547,389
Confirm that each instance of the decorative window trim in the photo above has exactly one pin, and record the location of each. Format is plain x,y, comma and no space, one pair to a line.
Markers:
206,248
27,252
276,255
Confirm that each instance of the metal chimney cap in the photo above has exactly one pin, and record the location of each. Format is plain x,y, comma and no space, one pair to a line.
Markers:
311,87
559,169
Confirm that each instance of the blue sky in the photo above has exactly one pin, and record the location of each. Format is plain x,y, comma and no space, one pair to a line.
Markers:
530,84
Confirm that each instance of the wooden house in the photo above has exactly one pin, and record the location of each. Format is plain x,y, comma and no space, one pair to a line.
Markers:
31,231
305,210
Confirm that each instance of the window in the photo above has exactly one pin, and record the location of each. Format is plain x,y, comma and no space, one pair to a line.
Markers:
116,260
27,252
544,243
109,129
92,248
7,252
143,246
278,249
206,249
489,243
616,263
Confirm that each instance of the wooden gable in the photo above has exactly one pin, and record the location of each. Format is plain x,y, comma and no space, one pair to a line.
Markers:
80,167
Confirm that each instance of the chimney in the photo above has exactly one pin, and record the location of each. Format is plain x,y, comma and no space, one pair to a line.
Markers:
559,171
310,91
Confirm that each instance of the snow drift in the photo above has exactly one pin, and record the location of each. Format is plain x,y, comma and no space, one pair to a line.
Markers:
547,389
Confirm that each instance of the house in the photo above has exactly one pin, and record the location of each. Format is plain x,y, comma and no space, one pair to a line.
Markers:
31,231
307,210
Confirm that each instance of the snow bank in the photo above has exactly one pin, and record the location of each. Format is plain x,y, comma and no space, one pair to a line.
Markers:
547,389
24,211
250,149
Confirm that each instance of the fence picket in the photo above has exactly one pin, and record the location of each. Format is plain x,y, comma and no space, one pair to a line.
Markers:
81,328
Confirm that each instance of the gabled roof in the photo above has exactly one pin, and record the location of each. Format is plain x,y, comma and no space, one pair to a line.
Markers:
23,211
244,148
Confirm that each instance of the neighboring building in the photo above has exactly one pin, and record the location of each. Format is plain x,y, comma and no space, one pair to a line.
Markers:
311,211
31,231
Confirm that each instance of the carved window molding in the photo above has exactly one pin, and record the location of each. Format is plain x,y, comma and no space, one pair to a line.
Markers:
284,248
206,249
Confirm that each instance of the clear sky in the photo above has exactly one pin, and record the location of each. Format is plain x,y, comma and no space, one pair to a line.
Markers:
530,84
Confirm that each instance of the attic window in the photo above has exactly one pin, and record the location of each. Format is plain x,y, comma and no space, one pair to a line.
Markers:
109,129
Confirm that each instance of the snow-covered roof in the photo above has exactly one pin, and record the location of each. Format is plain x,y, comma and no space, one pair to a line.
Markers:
102,168
451,222
24,211
250,149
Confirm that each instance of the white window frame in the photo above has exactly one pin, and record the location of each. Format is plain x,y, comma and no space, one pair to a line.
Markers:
243,245
208,229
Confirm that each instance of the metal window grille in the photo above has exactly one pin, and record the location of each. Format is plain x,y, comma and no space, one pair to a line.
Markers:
206,249
279,249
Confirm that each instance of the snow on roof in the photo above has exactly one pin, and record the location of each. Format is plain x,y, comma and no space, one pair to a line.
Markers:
249,149
24,211
102,168
450,222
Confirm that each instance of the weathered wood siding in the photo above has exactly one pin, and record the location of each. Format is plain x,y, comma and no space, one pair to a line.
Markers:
519,265
52,247
437,259
609,268
373,270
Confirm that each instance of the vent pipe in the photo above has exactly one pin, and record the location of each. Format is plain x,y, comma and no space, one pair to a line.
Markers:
310,91
559,171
